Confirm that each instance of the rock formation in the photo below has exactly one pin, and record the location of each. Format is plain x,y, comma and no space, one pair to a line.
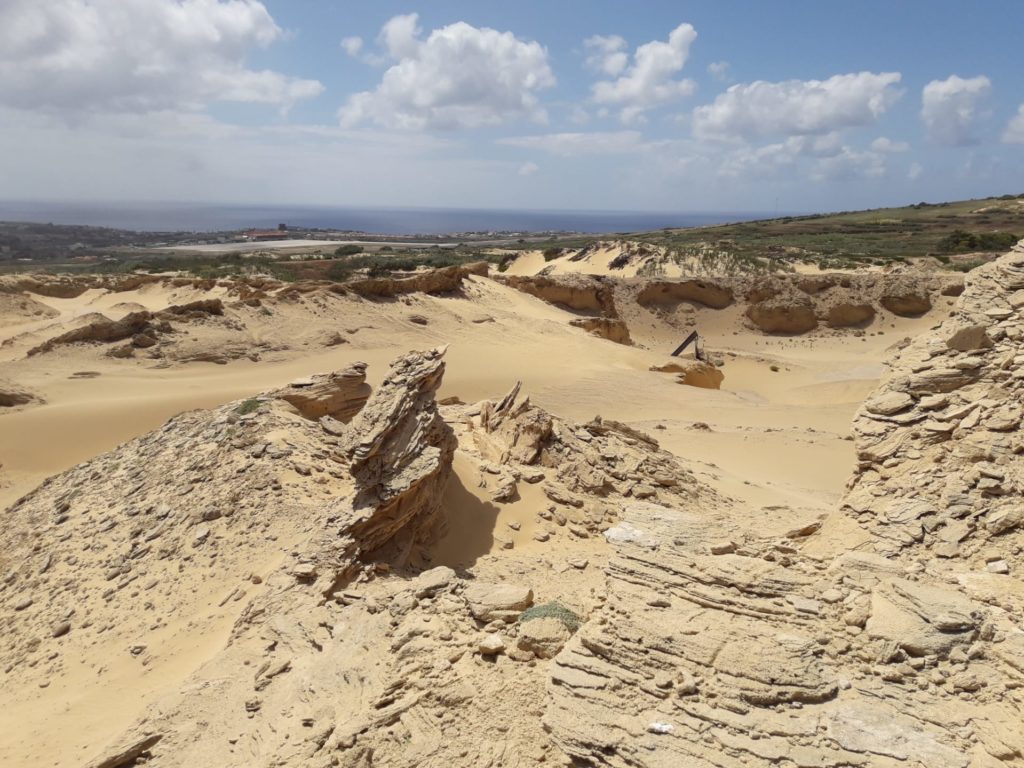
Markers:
889,635
339,395
609,328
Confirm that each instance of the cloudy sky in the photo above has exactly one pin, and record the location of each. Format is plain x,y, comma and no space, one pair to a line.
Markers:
724,105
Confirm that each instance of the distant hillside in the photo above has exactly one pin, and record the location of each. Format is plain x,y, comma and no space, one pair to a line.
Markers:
942,230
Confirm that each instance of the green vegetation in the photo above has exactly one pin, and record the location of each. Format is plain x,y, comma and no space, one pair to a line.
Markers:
348,250
850,239
962,241
552,610
379,265
247,406
550,254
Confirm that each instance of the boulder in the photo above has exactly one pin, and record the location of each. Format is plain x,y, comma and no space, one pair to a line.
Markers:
339,395
543,637
488,602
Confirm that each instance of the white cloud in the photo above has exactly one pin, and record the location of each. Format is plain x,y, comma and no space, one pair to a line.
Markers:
950,108
352,45
849,163
915,171
820,157
648,82
884,144
460,76
719,70
573,144
1014,133
607,54
528,168
797,107
400,36
94,56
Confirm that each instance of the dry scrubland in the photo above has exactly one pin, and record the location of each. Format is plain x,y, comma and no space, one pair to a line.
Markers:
481,518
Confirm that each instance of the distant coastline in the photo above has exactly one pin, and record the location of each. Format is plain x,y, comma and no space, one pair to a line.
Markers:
188,217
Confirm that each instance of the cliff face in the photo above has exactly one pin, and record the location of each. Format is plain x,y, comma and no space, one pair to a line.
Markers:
889,634
776,304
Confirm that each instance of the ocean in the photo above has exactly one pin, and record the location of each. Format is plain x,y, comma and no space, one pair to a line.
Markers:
192,217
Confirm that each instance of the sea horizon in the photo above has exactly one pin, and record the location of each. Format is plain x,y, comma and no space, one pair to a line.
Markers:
217,217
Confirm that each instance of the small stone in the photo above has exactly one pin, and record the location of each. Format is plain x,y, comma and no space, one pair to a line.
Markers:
998,566
804,604
23,603
491,645
722,547
60,629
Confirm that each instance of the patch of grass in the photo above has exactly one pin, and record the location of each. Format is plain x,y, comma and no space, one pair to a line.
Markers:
962,241
348,250
247,406
552,610
379,265
550,254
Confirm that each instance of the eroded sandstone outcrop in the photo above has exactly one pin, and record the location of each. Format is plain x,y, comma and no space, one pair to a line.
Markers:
887,635
444,280
338,395
579,292
608,328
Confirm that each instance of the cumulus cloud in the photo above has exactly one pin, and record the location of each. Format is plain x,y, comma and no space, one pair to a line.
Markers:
573,144
138,55
884,144
820,157
607,54
460,76
649,80
952,107
719,70
353,46
1014,133
528,168
797,107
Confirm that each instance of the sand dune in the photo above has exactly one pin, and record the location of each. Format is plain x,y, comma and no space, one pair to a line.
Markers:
774,437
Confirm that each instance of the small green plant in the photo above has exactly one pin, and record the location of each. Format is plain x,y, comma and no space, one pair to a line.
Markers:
550,254
552,610
348,250
247,406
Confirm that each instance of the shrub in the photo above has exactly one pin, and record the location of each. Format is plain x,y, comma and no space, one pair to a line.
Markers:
348,250
552,610
962,241
247,406
551,254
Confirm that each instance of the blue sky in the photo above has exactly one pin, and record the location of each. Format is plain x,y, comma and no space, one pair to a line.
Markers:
696,106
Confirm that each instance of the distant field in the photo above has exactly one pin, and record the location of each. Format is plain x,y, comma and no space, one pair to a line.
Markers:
276,245
850,238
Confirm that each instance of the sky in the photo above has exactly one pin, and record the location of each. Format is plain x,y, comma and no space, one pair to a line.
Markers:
724,105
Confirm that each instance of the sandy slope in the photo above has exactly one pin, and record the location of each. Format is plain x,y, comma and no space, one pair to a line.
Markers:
564,370
773,440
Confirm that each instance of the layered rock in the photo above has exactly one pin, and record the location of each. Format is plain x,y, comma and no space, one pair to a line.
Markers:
608,328
669,293
12,395
785,313
693,373
888,635
444,280
191,519
578,292
339,395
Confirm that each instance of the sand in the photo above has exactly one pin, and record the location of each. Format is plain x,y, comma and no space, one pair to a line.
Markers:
773,439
